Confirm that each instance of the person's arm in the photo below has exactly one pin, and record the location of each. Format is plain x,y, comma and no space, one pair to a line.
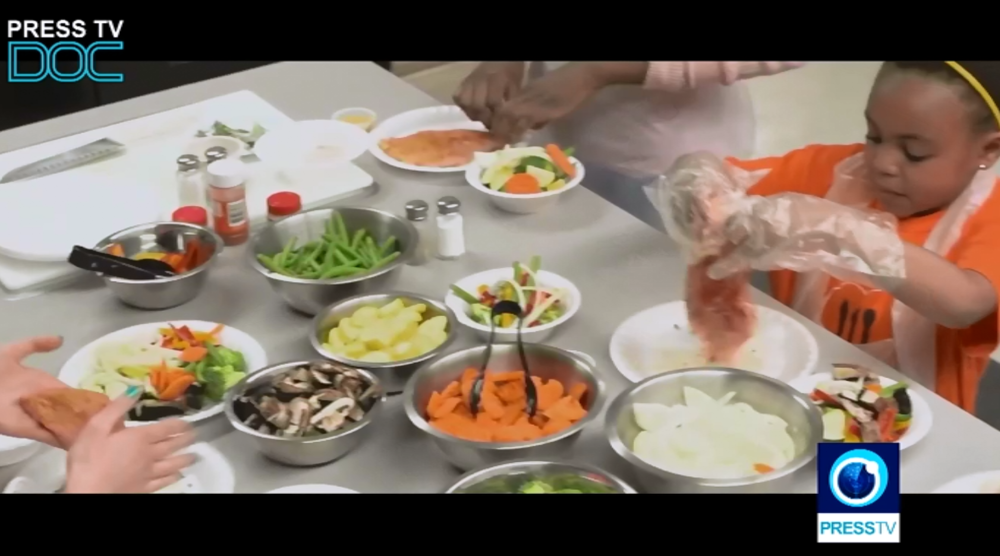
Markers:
681,76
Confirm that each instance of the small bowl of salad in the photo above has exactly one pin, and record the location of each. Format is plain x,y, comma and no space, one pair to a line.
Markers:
547,299
525,180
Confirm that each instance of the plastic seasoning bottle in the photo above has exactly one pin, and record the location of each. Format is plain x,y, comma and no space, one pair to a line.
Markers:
229,200
450,232
418,213
191,215
282,204
212,154
190,181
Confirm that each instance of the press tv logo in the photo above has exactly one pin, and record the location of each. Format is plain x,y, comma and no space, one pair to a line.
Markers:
29,60
858,492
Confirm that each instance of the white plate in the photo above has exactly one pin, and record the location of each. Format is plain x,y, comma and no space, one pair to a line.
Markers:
521,204
15,450
659,339
972,484
534,334
210,474
81,364
313,489
422,119
288,147
42,219
920,423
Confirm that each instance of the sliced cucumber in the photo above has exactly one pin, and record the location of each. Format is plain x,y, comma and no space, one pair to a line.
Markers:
834,423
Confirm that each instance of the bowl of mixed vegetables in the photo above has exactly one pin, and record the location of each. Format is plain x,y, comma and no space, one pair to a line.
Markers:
183,367
525,180
539,477
547,300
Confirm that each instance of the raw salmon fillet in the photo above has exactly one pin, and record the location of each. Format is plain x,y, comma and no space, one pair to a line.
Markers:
439,149
721,313
64,411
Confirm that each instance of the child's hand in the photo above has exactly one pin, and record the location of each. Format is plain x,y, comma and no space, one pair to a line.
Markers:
18,380
110,458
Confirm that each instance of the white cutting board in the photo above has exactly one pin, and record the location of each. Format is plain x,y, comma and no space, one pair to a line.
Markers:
154,142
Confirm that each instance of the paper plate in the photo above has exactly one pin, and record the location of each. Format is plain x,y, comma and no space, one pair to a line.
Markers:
422,119
81,363
292,147
313,489
42,219
210,474
920,424
987,482
659,339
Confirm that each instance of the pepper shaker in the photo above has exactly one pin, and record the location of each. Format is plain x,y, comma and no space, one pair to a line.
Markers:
190,181
418,213
450,229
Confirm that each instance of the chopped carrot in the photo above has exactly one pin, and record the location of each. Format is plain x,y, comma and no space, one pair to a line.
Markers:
762,468
193,354
578,391
522,184
502,415
560,159
174,260
178,385
877,388
116,250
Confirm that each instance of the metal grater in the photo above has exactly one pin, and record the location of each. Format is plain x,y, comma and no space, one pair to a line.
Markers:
79,156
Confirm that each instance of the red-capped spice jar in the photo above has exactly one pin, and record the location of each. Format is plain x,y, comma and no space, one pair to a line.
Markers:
192,214
282,204
229,200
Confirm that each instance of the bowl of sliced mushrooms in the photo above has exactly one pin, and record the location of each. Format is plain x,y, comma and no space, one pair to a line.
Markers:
306,412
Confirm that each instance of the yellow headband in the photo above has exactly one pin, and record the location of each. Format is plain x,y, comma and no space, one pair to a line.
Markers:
978,87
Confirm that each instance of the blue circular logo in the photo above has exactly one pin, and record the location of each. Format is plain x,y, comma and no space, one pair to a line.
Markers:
858,478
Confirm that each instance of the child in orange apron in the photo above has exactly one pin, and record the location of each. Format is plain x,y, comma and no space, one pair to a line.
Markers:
933,138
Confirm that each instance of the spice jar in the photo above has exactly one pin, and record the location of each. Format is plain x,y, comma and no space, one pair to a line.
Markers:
190,181
450,229
229,200
212,154
282,204
191,215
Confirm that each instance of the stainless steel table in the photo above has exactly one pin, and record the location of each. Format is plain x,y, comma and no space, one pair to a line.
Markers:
620,265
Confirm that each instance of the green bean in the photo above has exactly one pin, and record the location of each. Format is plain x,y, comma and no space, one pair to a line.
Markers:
335,254
330,257
359,236
338,271
287,251
339,255
331,233
385,260
341,227
269,263
349,251
388,244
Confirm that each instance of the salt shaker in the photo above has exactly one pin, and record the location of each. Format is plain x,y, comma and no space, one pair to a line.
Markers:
190,181
450,232
417,212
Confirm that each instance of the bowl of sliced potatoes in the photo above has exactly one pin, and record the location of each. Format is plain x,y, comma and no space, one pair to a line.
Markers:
388,334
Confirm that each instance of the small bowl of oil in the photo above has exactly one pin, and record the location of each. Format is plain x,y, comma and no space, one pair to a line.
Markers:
361,117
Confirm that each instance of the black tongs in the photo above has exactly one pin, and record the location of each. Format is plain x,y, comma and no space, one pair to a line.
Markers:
118,267
531,395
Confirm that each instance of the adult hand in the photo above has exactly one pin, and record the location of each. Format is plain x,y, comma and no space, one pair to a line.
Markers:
18,380
111,458
546,99
488,87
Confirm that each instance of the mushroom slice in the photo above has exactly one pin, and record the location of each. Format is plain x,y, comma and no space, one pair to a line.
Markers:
290,386
320,378
275,412
300,374
300,414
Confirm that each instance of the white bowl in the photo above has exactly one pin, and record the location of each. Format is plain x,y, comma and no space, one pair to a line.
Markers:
312,489
369,116
234,147
210,474
920,422
15,450
535,334
81,363
659,339
522,204
970,484
294,146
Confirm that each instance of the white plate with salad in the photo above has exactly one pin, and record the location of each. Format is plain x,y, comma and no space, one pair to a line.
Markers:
860,406
184,367
548,299
210,474
525,180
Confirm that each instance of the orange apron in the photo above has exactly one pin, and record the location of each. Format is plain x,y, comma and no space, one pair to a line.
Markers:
912,346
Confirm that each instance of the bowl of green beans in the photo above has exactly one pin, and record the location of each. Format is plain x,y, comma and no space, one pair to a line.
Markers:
318,257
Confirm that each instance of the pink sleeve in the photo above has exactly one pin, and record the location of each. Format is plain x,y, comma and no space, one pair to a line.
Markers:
680,76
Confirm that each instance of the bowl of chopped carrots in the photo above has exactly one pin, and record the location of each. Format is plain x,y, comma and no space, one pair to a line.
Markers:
569,396
525,180
190,250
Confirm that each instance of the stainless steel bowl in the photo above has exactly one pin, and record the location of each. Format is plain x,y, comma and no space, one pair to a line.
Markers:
313,450
764,394
161,293
546,362
395,374
311,296
507,477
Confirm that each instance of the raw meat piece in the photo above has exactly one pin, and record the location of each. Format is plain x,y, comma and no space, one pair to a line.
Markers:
720,311
64,411
439,148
